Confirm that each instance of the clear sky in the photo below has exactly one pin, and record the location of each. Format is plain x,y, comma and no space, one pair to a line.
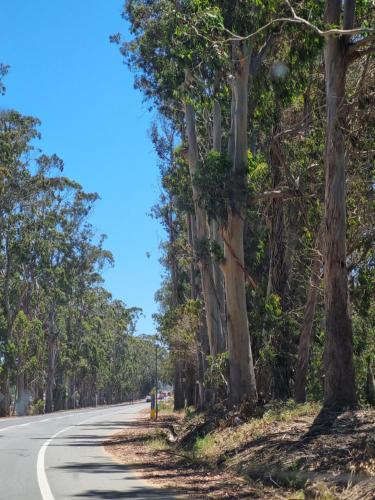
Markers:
65,72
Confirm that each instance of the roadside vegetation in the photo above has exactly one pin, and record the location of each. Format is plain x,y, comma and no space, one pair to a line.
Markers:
265,144
264,136
272,455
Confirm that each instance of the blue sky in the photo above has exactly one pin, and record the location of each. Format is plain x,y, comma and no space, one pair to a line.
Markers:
65,72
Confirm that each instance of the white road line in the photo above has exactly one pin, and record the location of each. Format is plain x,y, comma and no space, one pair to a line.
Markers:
44,486
14,427
4,429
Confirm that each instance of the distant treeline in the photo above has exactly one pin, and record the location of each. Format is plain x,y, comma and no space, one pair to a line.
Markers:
64,342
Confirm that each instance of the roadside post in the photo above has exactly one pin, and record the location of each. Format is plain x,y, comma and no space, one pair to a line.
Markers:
153,407
156,382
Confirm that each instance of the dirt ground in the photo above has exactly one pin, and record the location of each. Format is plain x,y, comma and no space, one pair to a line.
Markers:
309,457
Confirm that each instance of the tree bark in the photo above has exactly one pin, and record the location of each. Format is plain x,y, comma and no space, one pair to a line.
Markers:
241,369
216,237
213,318
5,398
339,386
305,338
51,365
281,369
22,395
370,384
202,343
4,392
179,398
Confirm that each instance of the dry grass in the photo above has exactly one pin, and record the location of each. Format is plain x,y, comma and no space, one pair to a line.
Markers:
287,452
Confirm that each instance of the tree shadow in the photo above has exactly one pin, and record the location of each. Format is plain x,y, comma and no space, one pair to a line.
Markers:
137,493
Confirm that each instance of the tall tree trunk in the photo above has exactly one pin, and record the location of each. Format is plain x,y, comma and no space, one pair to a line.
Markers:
59,392
213,318
216,237
283,241
50,374
241,369
51,366
190,385
202,343
179,397
339,386
370,384
4,392
22,394
5,398
305,338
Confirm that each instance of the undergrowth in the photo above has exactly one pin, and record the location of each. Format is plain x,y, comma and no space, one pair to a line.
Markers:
216,444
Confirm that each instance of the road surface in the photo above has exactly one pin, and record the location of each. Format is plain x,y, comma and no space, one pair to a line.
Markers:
59,456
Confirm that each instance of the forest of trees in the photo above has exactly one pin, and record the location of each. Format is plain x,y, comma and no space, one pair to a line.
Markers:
266,147
64,342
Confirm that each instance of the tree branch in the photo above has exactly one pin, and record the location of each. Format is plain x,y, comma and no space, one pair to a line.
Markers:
299,20
274,194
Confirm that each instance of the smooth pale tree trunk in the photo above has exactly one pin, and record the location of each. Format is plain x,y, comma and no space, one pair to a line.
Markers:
241,369
305,339
213,318
339,385
203,348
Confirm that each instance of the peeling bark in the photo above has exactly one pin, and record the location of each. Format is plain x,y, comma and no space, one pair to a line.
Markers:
212,310
203,348
241,368
339,387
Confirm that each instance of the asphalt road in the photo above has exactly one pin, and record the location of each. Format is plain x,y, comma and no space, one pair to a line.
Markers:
59,456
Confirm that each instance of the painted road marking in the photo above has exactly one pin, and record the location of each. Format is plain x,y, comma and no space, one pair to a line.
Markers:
44,486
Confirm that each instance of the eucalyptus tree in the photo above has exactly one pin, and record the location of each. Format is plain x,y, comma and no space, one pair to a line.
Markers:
4,68
339,53
146,53
16,133
223,73
59,330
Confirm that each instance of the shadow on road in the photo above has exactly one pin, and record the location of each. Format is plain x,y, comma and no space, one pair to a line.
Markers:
138,493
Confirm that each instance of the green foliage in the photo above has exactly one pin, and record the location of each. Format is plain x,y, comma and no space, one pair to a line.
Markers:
216,377
213,181
176,180
3,72
52,305
37,408
286,135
